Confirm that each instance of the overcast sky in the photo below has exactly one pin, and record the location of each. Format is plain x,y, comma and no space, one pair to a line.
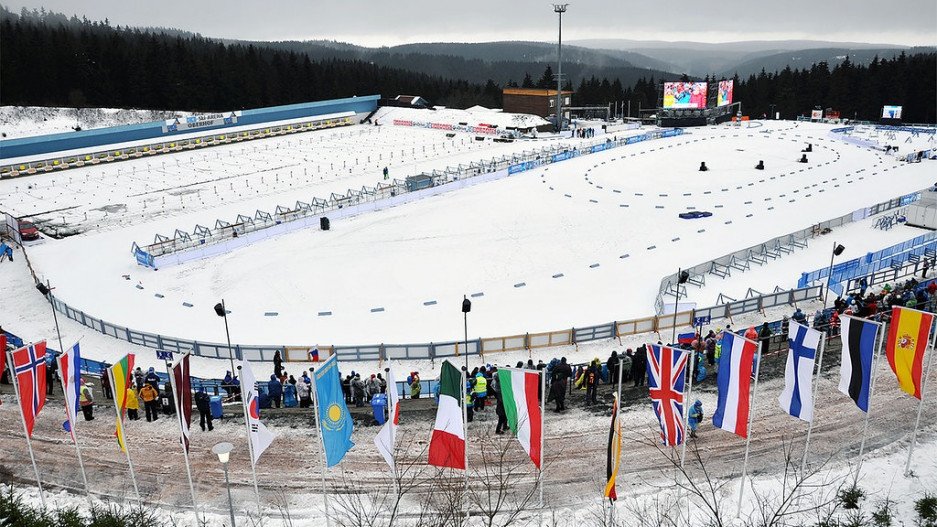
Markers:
382,22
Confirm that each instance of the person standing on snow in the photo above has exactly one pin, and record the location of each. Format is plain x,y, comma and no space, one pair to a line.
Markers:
149,396
133,404
592,381
203,405
695,417
86,402
561,374
275,390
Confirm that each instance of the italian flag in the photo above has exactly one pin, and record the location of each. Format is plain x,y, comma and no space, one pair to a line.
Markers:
521,405
447,446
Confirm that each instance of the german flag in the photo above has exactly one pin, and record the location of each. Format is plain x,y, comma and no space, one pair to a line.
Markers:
614,452
907,339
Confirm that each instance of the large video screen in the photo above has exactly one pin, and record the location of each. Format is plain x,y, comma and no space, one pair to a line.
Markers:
891,112
725,93
685,95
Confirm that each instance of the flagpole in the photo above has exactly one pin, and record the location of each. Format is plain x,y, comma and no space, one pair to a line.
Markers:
865,427
72,421
920,406
182,436
120,423
325,496
748,431
686,411
250,443
813,416
29,444
543,435
465,447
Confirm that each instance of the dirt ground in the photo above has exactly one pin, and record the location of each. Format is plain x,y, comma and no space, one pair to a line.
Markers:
575,445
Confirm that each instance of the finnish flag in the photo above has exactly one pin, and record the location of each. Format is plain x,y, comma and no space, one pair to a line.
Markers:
797,397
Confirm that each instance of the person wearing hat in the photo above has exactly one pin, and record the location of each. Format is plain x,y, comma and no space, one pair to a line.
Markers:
695,417
149,394
481,391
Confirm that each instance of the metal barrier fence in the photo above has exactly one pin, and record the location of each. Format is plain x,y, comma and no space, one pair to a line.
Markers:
245,229
438,350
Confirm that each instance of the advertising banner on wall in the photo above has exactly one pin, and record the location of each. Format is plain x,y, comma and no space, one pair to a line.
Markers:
193,122
891,112
690,95
816,115
725,93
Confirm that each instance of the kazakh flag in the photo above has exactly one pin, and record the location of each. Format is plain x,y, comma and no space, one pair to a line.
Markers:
120,382
335,422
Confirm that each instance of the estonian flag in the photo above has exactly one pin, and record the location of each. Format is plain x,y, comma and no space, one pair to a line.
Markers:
855,372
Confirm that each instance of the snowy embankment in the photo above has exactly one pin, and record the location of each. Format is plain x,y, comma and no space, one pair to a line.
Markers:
26,121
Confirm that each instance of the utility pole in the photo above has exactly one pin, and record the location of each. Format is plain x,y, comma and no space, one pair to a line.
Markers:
559,9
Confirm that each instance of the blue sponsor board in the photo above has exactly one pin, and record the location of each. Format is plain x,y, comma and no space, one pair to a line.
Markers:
599,147
636,139
521,167
671,133
562,156
144,258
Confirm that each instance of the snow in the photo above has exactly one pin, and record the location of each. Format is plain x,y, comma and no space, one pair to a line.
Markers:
474,116
505,239
26,121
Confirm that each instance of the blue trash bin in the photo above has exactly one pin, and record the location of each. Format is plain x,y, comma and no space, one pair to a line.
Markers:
215,405
379,405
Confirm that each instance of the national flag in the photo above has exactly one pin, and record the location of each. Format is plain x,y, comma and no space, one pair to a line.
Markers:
121,382
335,422
855,371
29,365
686,338
314,355
447,445
908,334
519,395
260,437
614,452
387,437
797,396
3,352
70,372
182,393
734,384
665,381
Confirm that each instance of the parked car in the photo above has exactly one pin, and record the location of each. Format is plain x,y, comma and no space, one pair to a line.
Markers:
28,231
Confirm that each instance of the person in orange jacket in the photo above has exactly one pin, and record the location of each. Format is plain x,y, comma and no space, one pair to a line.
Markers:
149,396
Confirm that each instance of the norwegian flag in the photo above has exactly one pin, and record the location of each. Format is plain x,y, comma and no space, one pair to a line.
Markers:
666,379
29,363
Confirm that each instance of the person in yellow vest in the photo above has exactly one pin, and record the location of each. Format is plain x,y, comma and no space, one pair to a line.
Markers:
481,391
133,404
86,402
149,396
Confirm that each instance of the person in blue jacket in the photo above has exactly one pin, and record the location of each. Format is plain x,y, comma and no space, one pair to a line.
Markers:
275,390
695,417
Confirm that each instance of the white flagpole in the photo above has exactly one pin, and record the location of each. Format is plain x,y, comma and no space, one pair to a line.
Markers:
462,392
686,409
920,406
816,382
133,476
182,436
250,442
865,427
73,421
748,439
29,444
325,495
543,435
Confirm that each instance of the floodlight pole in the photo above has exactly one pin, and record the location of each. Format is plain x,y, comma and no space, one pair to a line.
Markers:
559,9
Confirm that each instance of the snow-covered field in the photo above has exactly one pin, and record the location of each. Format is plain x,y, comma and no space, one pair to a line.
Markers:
25,121
572,244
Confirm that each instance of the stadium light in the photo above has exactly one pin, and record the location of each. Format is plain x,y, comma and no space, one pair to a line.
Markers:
222,312
466,308
682,278
559,9
223,451
837,250
45,289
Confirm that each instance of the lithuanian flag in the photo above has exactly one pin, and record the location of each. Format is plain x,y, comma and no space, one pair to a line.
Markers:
120,382
907,340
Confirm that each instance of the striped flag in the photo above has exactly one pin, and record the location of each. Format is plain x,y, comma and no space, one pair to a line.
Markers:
387,437
181,384
666,378
855,371
70,372
120,382
519,389
614,452
908,334
447,446
797,396
734,384
29,367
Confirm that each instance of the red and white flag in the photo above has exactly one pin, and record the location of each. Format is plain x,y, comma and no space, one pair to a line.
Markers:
70,371
182,394
734,384
29,364
387,437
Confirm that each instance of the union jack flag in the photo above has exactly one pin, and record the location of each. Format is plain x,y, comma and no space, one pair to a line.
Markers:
29,364
665,372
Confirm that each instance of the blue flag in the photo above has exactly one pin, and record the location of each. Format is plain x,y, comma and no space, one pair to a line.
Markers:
335,422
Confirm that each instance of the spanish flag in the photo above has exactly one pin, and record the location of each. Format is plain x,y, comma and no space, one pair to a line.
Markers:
907,340
120,382
614,452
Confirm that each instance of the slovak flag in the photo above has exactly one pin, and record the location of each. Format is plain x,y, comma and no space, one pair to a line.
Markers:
70,371
666,378
29,363
734,384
